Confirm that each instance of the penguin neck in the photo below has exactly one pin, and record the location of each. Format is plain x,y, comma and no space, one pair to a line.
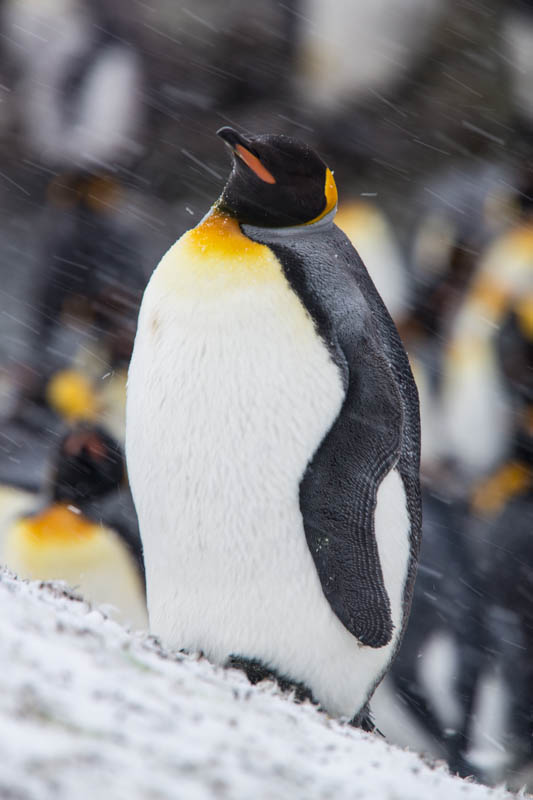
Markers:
293,231
218,233
220,254
218,223
217,255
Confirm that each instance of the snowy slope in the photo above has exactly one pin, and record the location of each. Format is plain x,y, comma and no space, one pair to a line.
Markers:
88,708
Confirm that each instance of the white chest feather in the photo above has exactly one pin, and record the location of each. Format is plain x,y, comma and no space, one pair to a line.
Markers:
230,393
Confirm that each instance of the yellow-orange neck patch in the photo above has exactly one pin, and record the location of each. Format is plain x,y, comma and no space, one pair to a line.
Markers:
217,251
58,525
218,234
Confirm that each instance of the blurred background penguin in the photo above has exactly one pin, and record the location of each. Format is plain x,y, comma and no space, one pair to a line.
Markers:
423,109
80,528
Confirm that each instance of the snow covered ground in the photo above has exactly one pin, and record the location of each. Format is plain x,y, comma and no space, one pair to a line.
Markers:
87,708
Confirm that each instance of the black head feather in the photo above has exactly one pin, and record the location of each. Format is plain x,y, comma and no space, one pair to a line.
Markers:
276,181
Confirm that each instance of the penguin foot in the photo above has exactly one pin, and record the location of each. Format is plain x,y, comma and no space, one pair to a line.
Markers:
365,721
256,672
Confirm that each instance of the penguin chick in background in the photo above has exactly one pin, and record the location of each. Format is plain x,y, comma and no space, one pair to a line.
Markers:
68,538
272,438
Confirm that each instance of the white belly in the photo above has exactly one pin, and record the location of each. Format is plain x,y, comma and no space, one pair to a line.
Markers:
230,393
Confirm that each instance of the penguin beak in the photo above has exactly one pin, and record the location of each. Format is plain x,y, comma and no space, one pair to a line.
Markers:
232,138
241,148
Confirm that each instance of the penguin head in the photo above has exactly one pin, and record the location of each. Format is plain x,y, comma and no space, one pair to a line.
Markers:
89,464
276,182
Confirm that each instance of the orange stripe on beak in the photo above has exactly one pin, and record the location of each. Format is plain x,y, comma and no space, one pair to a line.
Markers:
255,165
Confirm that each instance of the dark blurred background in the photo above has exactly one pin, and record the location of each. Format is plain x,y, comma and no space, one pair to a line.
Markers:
424,110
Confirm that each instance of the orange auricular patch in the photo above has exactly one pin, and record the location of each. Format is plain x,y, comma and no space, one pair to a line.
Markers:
57,525
254,164
331,195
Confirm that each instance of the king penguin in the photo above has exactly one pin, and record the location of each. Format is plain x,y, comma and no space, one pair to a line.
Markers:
272,437
78,531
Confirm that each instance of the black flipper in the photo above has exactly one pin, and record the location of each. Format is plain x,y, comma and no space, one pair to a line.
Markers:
376,430
338,497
